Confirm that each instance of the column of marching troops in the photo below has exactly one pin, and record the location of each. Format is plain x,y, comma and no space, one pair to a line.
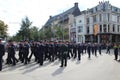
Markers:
49,51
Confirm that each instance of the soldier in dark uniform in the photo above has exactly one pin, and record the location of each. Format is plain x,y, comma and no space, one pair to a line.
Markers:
93,48
74,50
46,51
52,51
21,51
59,50
89,50
55,50
2,52
32,47
11,53
79,51
26,52
70,50
64,50
40,53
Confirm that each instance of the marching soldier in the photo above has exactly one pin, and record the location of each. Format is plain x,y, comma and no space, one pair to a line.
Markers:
70,50
21,51
2,52
11,53
40,53
74,50
79,51
64,50
89,50
26,52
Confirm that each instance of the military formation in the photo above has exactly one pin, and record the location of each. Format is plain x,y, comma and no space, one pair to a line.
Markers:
50,51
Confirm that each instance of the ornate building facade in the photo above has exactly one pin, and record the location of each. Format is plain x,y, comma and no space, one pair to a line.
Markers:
107,19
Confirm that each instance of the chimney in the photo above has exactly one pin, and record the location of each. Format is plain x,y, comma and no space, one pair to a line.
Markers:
76,4
50,17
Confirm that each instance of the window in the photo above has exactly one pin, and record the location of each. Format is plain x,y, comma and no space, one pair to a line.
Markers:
118,17
80,29
87,20
100,28
88,30
108,28
113,28
80,21
104,28
100,17
108,16
94,18
118,28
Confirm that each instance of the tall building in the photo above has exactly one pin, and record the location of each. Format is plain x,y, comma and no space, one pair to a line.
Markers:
98,24
64,20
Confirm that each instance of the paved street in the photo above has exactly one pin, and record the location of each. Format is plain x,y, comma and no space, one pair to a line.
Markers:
97,68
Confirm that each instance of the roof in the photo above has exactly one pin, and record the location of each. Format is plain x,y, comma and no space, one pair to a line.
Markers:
74,10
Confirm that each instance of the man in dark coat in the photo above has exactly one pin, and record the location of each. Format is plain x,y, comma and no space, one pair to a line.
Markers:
2,52
64,52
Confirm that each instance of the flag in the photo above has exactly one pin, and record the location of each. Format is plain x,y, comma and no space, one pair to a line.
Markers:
95,29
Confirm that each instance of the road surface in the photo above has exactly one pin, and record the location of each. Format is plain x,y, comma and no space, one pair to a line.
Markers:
103,67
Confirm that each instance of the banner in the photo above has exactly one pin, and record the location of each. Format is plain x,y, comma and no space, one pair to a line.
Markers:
95,29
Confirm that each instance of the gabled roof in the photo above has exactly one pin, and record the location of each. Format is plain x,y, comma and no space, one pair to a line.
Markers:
74,10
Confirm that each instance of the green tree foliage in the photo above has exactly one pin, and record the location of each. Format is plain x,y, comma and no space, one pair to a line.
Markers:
3,29
34,33
24,31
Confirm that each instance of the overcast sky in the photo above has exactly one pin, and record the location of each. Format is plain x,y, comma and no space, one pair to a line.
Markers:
38,11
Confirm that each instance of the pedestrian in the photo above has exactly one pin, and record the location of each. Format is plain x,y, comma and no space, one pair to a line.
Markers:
116,51
108,48
96,47
2,52
119,53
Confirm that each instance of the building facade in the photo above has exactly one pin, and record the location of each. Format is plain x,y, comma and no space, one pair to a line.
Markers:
107,19
63,20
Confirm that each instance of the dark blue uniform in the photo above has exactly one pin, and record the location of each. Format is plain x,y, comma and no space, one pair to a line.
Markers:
64,52
2,52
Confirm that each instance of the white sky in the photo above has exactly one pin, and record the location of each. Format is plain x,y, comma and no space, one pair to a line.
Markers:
38,11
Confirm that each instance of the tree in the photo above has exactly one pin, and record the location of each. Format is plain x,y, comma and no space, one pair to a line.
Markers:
3,29
25,28
34,33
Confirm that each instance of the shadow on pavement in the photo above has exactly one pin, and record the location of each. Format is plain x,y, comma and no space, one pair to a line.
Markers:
56,63
58,71
78,62
30,69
